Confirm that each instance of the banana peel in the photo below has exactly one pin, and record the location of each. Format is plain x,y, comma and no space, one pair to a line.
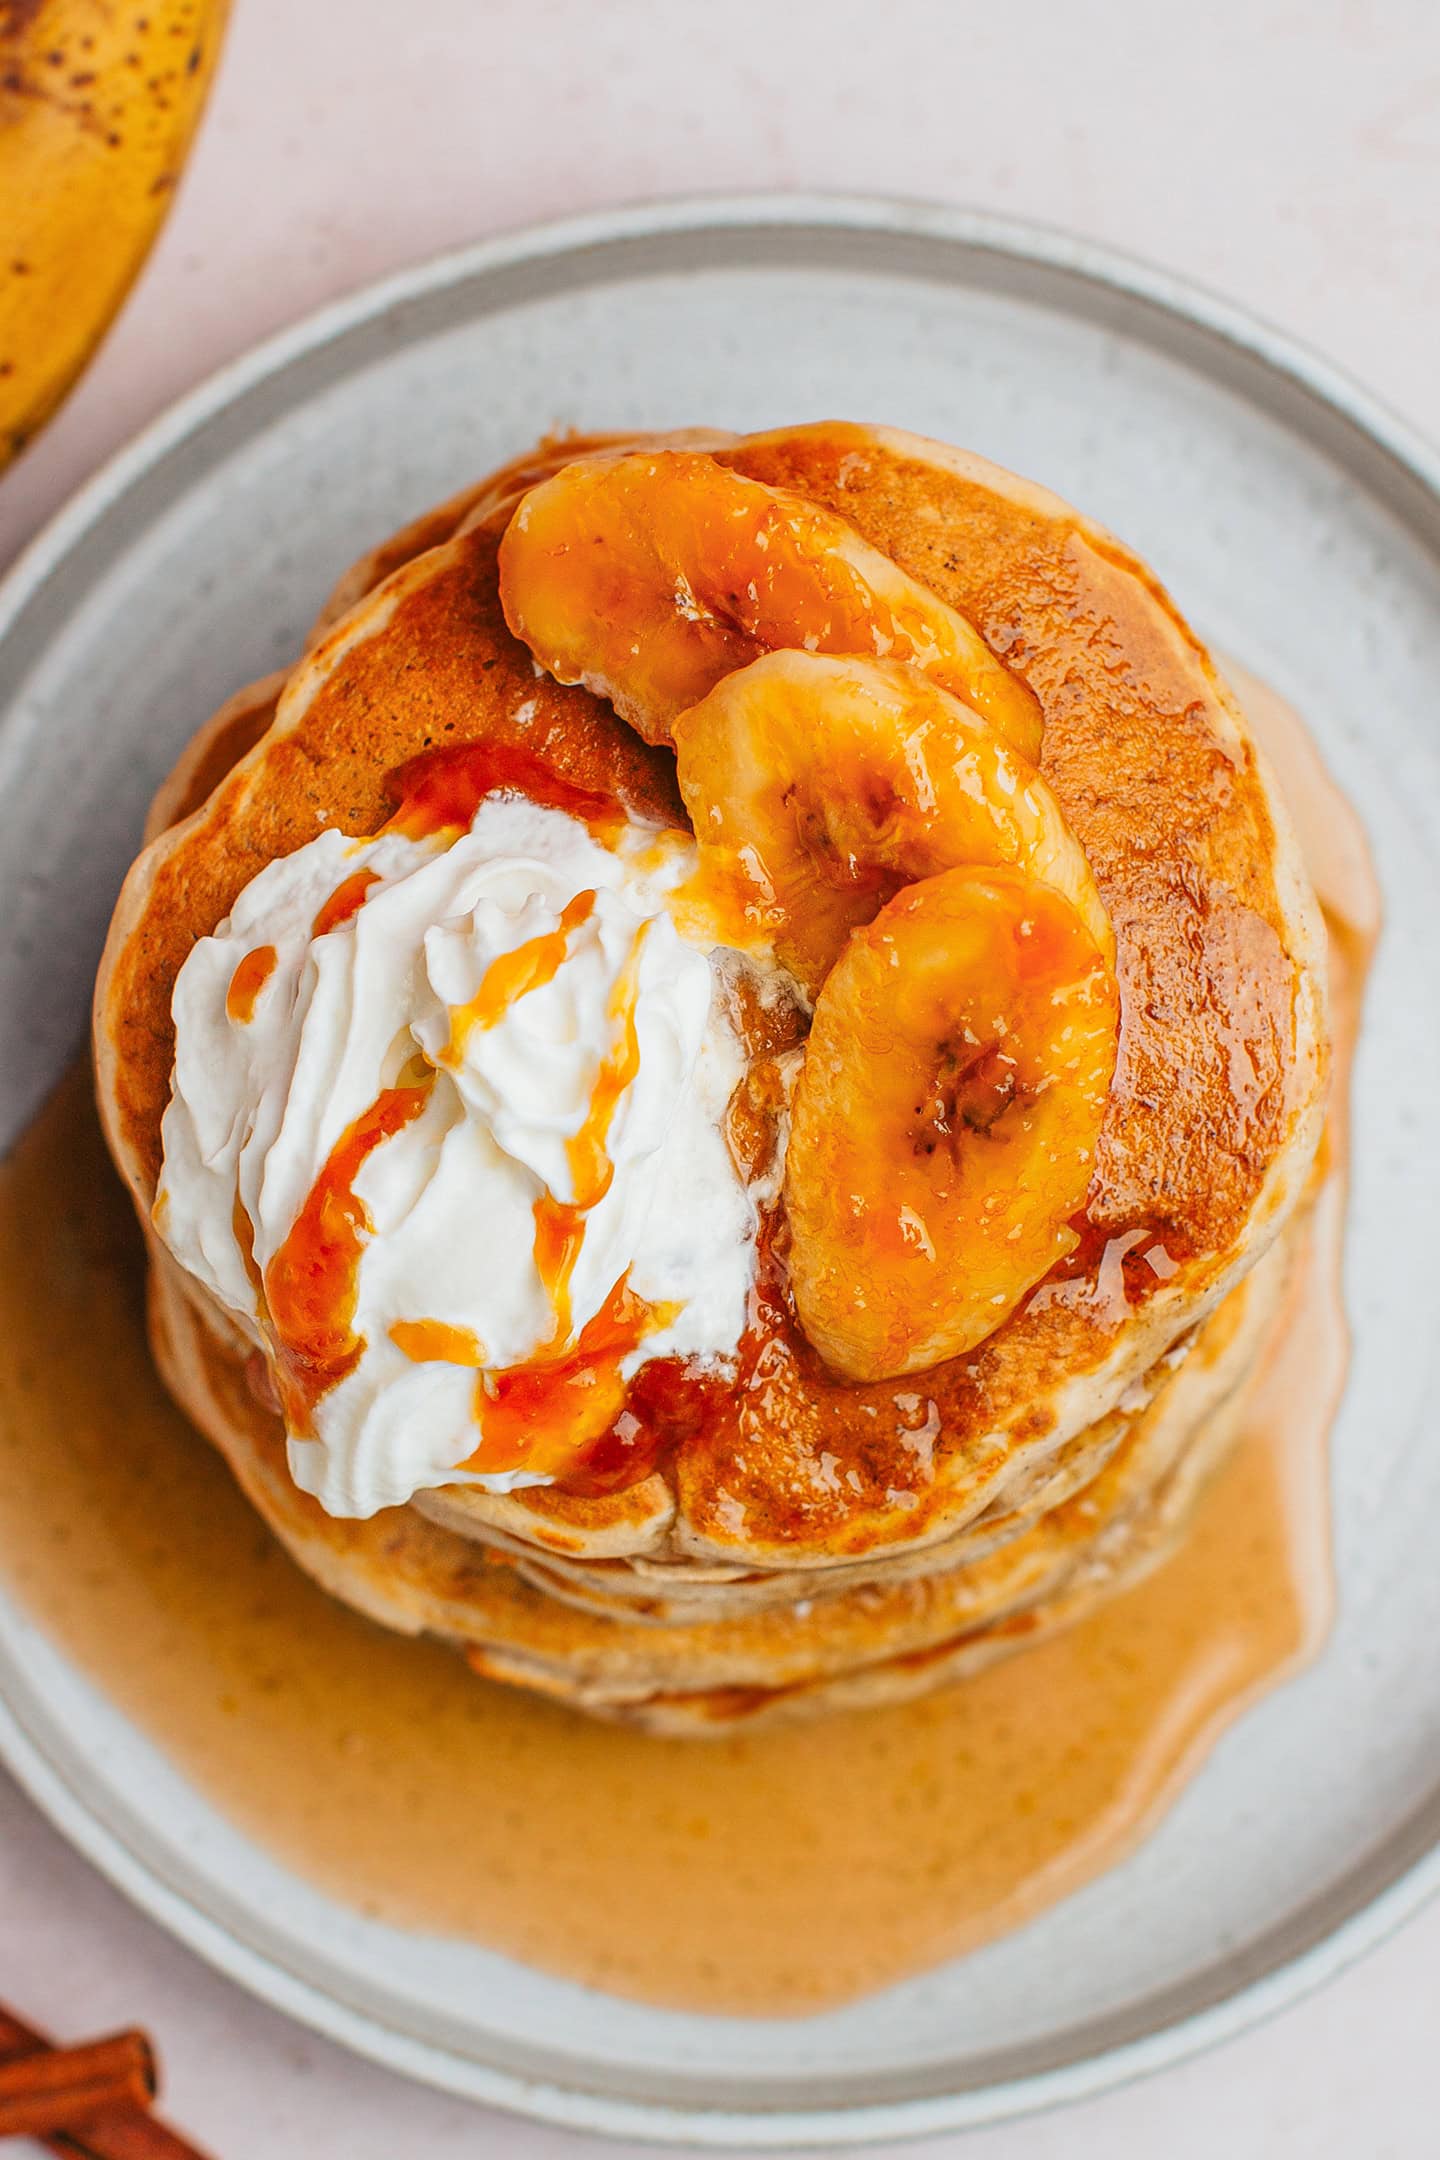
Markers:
99,101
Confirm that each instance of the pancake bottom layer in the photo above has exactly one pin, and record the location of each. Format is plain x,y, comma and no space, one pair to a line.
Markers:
672,1666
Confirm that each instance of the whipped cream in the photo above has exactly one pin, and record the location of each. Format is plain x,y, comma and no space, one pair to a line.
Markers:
542,1032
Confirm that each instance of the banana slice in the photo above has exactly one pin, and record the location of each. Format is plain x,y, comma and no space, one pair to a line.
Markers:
819,787
650,576
945,1120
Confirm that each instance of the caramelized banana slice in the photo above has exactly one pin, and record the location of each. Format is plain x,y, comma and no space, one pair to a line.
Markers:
819,787
648,577
945,1120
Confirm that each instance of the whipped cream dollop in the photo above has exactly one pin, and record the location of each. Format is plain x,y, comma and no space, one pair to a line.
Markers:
439,1106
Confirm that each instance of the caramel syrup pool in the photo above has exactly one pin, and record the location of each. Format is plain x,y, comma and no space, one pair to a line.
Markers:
781,1872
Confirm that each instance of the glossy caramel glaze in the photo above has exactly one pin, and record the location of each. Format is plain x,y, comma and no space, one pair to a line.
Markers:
945,1119
513,975
650,577
441,788
247,982
819,787
311,1282
344,903
554,1412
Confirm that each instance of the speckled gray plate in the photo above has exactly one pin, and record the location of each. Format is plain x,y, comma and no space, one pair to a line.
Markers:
1301,529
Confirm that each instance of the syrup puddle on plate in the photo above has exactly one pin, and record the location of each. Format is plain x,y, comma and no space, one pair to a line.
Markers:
763,1873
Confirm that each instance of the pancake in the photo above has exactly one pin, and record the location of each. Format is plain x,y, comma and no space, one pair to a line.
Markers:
857,1646
802,1489
214,751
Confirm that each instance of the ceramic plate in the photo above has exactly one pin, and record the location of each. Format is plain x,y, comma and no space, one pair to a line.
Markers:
1301,530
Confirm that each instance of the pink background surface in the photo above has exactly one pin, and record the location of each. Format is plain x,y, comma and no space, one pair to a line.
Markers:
1286,153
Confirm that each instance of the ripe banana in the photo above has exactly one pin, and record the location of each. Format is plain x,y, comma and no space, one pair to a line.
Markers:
98,102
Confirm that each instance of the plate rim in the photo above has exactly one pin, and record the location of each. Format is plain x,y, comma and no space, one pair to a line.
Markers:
1341,411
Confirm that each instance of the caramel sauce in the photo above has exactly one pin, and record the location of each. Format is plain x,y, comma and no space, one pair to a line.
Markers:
436,1342
667,1403
441,789
345,901
247,982
510,976
244,1234
718,903
587,1151
546,1414
311,1281
543,1415
770,1873
559,1234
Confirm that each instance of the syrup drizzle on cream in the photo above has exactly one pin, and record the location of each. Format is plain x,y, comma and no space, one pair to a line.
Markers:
539,1415
247,982
346,901
311,1283
528,967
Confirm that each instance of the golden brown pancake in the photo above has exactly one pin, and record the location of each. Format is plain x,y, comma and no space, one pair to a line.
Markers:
832,1649
1212,1121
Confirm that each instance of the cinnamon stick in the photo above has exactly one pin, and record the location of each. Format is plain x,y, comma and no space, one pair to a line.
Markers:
56,2087
120,2129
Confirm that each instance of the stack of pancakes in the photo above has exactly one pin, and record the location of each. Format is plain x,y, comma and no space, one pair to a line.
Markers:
818,1542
